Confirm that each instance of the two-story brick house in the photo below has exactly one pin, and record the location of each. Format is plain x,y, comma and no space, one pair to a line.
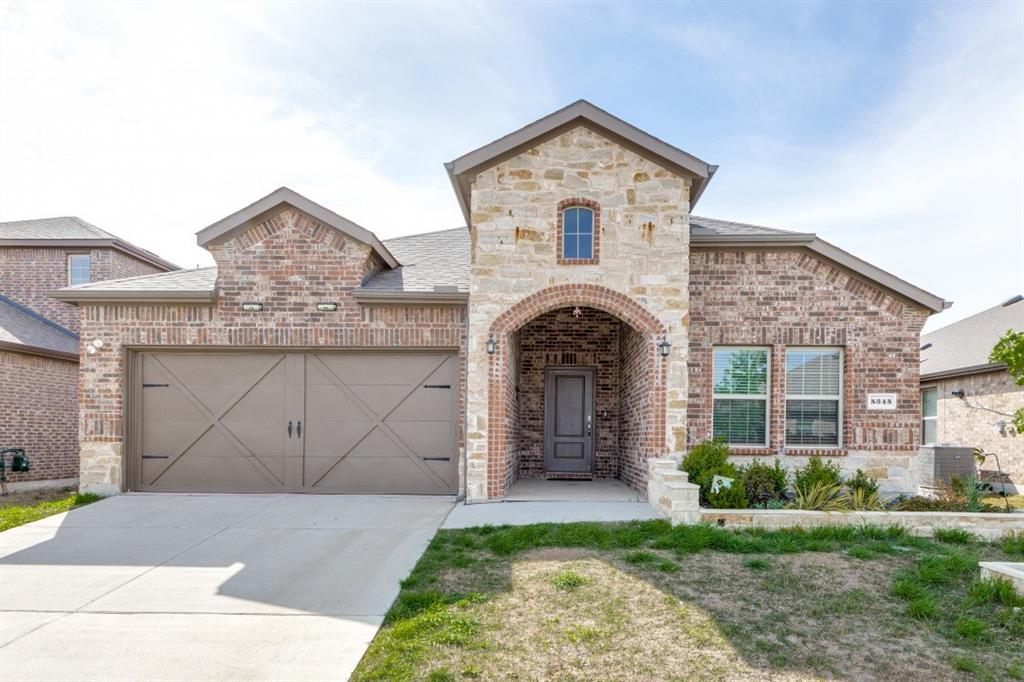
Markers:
39,343
582,323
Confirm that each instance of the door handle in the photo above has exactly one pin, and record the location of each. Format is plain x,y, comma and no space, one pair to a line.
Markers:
590,425
299,434
289,429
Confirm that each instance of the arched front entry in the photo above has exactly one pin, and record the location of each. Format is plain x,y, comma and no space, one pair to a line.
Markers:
575,332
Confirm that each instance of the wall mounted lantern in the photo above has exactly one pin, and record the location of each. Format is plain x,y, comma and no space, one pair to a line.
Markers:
664,346
252,307
491,345
327,307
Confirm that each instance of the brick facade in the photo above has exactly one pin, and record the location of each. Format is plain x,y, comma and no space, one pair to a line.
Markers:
781,299
288,262
988,398
29,273
38,401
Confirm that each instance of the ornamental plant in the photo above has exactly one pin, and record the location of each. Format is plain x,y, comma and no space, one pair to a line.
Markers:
703,463
763,483
1009,351
817,471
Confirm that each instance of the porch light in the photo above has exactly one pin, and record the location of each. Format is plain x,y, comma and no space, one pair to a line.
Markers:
252,307
491,345
664,346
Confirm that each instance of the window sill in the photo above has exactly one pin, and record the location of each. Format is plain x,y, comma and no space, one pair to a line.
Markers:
577,261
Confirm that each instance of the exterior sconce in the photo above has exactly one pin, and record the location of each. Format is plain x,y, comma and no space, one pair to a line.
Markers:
959,393
326,307
491,345
252,307
664,346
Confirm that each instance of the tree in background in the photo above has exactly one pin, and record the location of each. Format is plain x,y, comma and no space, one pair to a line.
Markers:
1009,351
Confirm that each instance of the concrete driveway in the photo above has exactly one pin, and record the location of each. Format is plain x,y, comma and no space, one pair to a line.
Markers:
206,587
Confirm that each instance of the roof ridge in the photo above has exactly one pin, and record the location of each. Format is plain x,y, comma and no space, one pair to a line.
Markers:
31,313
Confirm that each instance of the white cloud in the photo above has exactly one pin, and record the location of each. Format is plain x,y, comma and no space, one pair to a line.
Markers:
149,120
930,186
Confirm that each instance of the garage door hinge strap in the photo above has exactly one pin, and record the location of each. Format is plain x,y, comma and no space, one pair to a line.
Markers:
436,459
156,385
437,386
155,456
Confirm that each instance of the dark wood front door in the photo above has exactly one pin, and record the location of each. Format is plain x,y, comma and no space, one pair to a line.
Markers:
569,421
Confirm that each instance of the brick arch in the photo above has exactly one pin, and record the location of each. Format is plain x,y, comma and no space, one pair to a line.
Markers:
587,295
501,372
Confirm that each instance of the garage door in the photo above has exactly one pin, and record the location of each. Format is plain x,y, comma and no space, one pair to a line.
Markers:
359,422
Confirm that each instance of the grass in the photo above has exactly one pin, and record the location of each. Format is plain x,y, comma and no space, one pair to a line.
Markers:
1016,501
53,501
645,600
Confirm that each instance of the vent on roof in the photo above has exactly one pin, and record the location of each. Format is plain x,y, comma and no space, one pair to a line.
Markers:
926,346
1011,301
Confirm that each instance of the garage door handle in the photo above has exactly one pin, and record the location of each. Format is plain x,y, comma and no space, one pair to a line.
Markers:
299,434
289,429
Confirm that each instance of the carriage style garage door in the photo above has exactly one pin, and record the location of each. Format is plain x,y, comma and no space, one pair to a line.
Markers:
332,422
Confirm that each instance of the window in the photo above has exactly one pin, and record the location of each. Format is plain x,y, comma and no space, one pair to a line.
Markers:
79,269
577,233
739,414
929,416
814,389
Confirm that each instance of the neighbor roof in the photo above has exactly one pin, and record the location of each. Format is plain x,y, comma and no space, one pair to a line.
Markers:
71,231
261,209
24,330
464,169
432,264
963,347
709,232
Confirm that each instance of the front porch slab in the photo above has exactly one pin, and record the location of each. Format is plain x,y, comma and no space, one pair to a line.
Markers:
601,490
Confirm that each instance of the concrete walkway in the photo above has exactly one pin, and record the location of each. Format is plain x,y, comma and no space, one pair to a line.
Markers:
206,587
525,513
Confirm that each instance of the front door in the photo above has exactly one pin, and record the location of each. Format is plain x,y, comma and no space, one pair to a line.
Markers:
569,421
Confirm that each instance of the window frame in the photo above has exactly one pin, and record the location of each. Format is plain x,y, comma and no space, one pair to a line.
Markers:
71,255
934,418
595,243
767,398
840,398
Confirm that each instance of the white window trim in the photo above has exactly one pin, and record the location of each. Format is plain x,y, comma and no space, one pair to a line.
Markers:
70,257
841,399
767,398
933,418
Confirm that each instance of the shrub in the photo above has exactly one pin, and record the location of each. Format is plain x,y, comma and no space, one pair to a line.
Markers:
703,463
763,483
819,496
860,481
817,471
968,491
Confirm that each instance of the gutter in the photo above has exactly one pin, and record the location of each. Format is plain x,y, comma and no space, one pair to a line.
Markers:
75,297
413,297
38,350
960,372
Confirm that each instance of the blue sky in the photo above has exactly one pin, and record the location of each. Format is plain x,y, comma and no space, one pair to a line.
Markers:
896,131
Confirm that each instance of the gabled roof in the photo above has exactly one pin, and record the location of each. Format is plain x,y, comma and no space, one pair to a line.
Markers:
180,286
711,233
26,331
434,266
464,169
963,347
72,232
262,209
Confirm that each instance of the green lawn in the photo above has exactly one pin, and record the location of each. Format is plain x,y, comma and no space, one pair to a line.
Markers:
1016,501
646,601
21,508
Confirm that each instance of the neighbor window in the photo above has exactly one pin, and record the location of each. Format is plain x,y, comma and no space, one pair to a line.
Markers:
929,416
814,389
739,414
577,233
79,265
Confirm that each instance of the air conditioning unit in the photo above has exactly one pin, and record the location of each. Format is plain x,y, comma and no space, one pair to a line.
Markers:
939,463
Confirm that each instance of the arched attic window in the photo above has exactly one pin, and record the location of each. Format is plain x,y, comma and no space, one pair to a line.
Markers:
579,232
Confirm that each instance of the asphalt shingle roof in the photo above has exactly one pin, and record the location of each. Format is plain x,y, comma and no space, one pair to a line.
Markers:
23,327
722,228
198,279
428,261
967,343
66,227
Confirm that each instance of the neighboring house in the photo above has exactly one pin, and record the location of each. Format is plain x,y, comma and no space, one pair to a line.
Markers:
39,344
967,400
584,323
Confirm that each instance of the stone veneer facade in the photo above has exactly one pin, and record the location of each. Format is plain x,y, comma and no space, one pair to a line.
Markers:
644,241
288,261
989,397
